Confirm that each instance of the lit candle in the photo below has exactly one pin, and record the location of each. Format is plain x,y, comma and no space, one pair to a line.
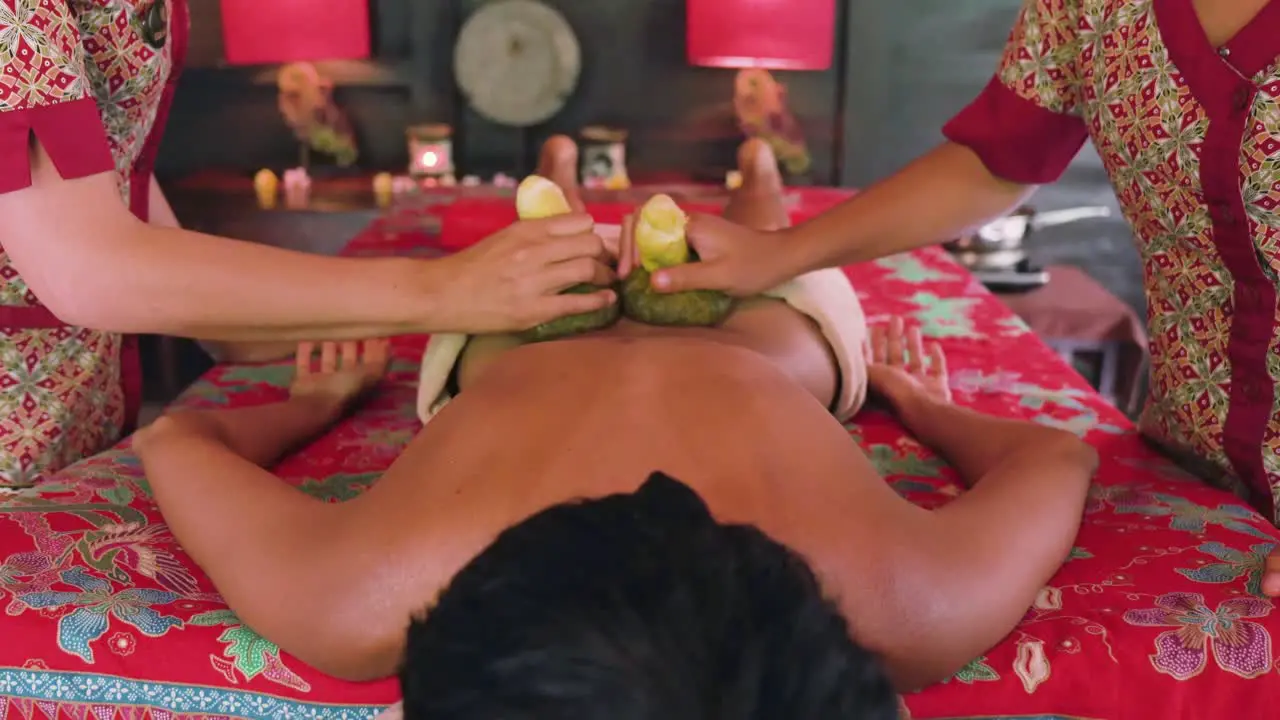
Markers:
383,189
604,158
430,150
267,187
403,184
297,187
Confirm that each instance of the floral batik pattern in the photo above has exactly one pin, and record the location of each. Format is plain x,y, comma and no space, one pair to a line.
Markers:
1229,633
1262,198
60,398
1041,63
41,60
1156,613
60,391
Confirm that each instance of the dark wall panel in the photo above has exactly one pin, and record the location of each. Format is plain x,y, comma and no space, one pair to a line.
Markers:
911,66
634,75
904,68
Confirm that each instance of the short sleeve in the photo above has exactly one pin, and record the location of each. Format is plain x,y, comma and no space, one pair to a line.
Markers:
1026,124
45,91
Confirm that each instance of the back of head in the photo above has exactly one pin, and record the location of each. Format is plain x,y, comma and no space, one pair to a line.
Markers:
638,607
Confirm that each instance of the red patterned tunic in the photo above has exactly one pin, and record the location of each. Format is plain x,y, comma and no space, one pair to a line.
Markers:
92,79
1190,136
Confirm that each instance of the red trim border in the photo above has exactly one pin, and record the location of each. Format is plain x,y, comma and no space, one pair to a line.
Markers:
71,132
1016,139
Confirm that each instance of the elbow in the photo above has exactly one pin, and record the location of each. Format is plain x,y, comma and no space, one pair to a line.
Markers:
88,284
87,318
926,670
356,656
916,661
911,626
80,300
345,635
931,651
1068,448
354,669
65,298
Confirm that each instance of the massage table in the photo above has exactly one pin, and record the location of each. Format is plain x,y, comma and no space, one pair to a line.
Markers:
1156,613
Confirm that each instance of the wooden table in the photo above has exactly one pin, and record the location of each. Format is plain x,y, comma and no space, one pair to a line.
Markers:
226,205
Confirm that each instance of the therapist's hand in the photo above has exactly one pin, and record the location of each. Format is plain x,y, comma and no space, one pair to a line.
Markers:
512,279
735,259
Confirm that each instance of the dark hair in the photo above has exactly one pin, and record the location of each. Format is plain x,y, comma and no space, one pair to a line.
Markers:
638,607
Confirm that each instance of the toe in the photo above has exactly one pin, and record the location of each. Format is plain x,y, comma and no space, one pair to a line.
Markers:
558,162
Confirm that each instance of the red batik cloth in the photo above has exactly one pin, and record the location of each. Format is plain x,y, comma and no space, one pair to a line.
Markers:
1155,615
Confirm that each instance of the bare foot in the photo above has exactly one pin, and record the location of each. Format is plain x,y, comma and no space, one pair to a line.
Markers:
759,166
345,372
1271,574
558,162
903,368
757,203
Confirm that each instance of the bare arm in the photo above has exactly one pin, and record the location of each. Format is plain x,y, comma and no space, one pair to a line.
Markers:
1022,130
295,569
979,562
940,196
93,264
235,352
289,565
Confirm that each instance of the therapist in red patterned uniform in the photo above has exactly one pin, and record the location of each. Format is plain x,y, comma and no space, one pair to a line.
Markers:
84,89
1182,100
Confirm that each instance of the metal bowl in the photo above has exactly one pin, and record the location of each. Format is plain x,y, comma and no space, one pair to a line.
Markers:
998,245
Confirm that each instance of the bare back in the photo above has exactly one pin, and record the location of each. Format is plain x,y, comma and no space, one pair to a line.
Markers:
737,412
595,415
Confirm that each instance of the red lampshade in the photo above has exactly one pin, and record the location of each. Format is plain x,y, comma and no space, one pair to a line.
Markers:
262,32
773,34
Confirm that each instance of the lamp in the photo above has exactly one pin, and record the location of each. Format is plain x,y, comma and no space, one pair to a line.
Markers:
296,33
271,32
756,36
771,34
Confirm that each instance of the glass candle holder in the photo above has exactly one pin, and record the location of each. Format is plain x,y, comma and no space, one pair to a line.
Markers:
430,150
604,158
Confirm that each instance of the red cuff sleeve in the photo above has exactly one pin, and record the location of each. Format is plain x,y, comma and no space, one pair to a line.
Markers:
1016,139
71,132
